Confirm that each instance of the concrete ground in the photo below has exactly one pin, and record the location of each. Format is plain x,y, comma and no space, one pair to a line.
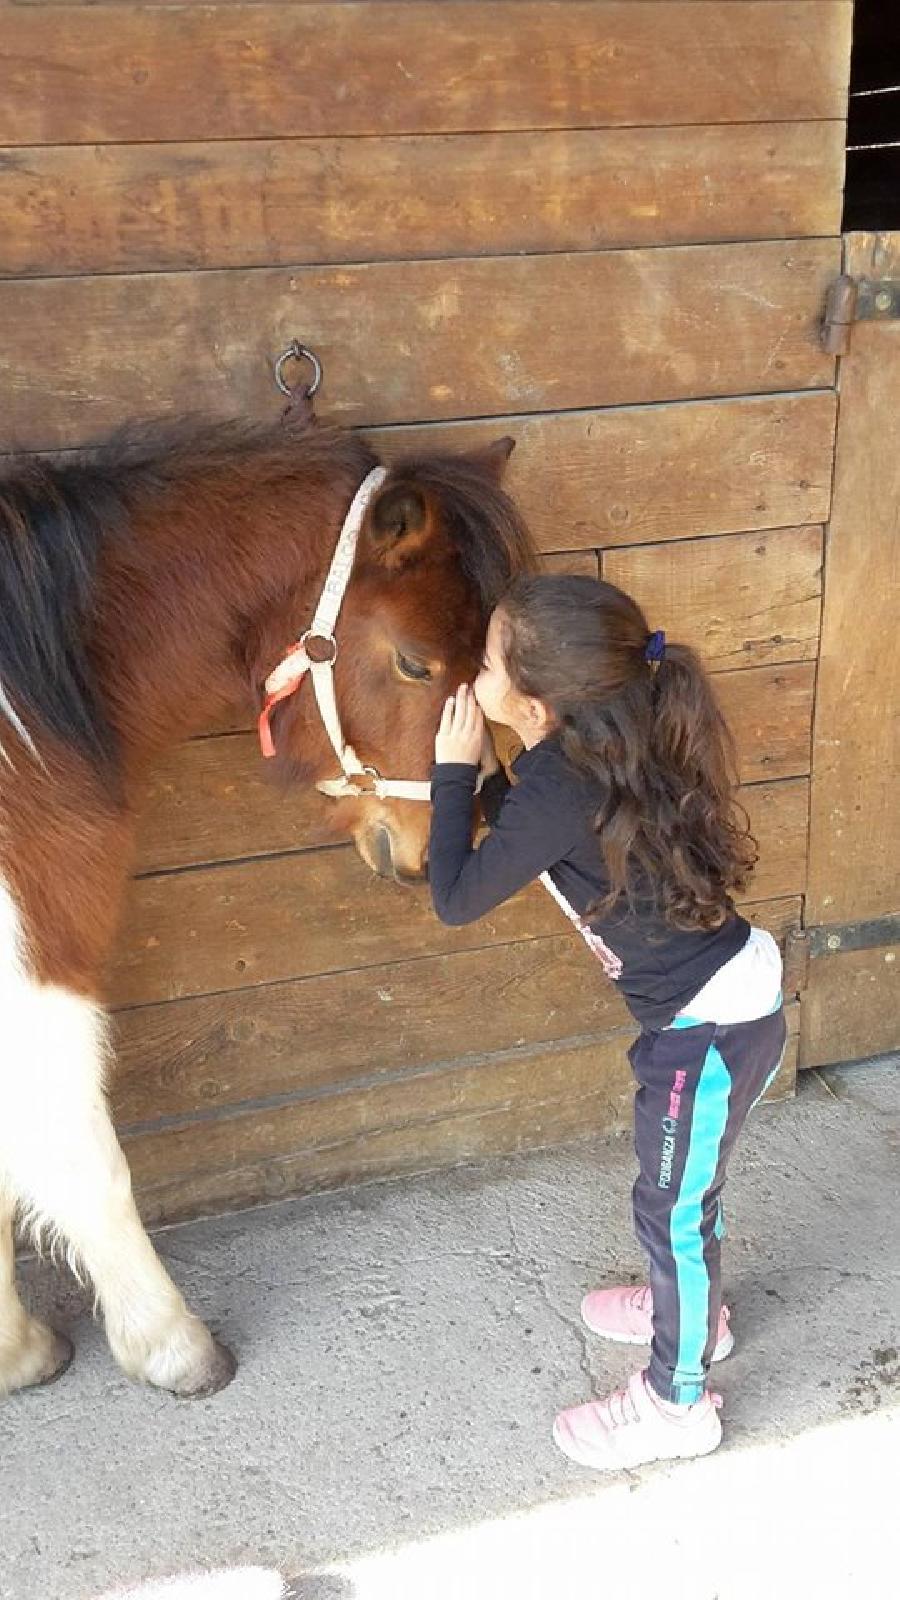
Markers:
403,1350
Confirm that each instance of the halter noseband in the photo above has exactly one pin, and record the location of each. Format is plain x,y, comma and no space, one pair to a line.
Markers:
356,780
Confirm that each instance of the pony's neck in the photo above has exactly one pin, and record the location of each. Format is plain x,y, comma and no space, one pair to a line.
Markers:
212,587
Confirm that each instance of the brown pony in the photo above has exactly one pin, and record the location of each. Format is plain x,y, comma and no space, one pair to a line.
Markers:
144,588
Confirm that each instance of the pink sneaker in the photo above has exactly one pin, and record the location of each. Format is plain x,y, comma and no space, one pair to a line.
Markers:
632,1427
625,1314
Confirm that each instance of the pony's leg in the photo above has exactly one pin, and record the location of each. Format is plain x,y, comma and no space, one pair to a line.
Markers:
58,1143
30,1352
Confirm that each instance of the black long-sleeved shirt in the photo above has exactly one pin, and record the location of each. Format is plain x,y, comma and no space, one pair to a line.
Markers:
545,824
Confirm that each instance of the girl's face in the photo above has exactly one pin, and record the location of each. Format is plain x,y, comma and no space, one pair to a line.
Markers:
498,697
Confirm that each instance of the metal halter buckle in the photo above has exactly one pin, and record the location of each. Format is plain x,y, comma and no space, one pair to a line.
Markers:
326,638
361,789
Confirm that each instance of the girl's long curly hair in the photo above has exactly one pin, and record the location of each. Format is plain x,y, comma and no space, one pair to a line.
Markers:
652,737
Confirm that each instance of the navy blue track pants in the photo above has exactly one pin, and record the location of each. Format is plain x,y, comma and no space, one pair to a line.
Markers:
697,1082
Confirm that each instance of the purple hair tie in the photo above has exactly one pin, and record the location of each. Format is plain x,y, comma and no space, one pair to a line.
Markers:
655,648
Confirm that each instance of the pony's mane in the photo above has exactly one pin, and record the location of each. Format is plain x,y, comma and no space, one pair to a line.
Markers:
490,536
57,514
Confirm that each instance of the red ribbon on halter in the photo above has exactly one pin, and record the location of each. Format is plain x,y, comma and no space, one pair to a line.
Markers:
290,686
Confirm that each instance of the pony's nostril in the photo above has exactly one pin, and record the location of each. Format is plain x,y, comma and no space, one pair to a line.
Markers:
382,854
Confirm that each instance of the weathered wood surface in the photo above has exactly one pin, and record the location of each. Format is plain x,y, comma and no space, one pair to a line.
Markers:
87,75
851,1006
182,1058
753,597
579,563
240,924
245,203
430,1119
769,710
671,471
636,475
854,870
616,327
214,800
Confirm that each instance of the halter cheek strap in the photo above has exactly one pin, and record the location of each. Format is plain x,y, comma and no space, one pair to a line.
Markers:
356,780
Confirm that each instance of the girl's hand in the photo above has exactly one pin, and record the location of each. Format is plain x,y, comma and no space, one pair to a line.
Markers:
461,731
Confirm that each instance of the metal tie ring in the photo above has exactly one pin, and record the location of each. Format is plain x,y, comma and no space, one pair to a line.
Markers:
298,352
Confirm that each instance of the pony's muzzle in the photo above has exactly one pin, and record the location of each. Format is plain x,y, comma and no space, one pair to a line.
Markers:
379,850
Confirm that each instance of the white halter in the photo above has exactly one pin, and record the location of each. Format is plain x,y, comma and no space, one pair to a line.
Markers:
356,780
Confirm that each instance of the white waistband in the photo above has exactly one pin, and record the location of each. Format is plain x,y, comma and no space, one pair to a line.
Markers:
747,987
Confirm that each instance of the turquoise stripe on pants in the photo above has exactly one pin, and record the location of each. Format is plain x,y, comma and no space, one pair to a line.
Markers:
685,1233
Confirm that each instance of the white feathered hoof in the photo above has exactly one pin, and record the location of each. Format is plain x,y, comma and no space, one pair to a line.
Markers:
218,1375
39,1357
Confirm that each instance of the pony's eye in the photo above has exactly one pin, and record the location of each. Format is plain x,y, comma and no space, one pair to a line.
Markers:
414,670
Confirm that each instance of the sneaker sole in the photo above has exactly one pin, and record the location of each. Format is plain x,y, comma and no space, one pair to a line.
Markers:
721,1352
691,1451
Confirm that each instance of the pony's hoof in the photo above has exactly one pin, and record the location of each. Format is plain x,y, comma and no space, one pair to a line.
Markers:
217,1375
62,1354
42,1356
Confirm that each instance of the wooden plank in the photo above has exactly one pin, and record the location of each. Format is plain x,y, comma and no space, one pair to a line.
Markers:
435,1120
769,710
784,1086
213,799
855,820
748,598
779,916
190,1055
641,475
850,1007
715,466
779,819
397,337
580,563
184,1057
261,202
264,71
521,1101
233,926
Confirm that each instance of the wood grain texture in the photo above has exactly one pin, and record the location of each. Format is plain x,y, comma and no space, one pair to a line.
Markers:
398,343
855,818
431,1119
579,563
212,799
185,1057
769,710
237,925
87,75
637,475
749,598
851,1007
244,203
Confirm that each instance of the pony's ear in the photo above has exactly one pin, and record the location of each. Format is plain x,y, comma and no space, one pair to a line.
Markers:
492,459
399,514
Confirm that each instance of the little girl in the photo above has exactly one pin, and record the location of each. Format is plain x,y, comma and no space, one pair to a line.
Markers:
623,807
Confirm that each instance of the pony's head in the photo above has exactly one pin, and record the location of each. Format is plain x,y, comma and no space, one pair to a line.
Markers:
439,543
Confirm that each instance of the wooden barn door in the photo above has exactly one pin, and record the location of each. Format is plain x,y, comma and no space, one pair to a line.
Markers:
604,229
851,1000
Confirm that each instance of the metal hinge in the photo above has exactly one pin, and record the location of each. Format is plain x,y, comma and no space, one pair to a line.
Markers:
803,945
852,300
